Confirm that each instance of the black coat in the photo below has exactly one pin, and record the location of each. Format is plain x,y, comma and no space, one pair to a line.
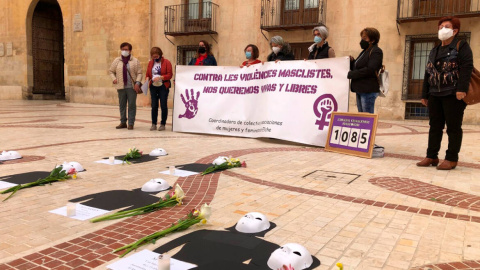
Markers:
319,52
284,54
464,67
363,71
209,61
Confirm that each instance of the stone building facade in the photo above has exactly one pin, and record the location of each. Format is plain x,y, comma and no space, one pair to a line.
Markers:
34,65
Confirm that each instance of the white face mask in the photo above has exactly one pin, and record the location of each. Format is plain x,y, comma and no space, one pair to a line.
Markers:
445,33
253,222
276,50
294,255
125,53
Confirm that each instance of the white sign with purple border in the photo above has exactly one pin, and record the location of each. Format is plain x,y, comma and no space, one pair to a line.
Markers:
288,100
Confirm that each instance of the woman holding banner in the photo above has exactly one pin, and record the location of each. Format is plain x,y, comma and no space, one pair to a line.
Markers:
251,53
204,56
159,73
363,70
320,49
281,50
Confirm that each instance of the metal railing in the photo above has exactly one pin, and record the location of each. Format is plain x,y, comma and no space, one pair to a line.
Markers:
191,19
422,10
292,14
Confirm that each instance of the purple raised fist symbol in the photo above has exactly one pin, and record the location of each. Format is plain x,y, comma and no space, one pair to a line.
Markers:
323,108
191,104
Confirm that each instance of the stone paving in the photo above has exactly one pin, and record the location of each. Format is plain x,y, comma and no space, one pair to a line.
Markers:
382,213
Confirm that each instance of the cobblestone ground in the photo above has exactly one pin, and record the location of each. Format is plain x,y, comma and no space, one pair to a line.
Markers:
381,213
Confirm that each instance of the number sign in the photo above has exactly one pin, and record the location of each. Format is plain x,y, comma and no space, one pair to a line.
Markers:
352,133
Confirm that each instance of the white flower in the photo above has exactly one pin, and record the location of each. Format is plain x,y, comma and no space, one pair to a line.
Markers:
205,211
179,194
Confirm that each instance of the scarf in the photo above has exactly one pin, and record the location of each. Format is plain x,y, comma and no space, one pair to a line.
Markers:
200,60
125,70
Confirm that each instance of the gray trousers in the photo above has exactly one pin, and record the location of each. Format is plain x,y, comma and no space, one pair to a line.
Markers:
127,95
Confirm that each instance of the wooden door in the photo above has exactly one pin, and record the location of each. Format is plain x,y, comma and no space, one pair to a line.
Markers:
300,50
47,49
440,7
298,12
199,14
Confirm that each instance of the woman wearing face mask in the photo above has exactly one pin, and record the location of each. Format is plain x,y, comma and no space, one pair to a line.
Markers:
320,48
447,78
204,56
281,50
251,53
159,73
363,70
126,74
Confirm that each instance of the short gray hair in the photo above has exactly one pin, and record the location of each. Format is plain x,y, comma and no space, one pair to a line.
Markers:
323,30
277,40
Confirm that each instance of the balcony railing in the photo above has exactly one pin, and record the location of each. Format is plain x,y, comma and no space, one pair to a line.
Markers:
423,10
292,14
191,19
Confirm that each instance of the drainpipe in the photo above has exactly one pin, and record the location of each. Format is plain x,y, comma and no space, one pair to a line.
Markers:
150,25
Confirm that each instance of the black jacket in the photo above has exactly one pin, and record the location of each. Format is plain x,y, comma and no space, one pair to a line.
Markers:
284,54
209,61
363,71
319,52
455,77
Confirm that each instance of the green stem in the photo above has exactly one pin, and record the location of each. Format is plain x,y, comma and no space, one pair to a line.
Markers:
155,236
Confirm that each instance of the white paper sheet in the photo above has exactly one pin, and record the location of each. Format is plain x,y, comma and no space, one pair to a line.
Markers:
145,87
180,173
147,260
5,185
83,212
106,161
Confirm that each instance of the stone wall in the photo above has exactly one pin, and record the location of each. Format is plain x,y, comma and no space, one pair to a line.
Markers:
106,24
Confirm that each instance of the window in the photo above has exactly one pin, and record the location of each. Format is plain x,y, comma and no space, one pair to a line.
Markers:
185,54
416,111
417,50
197,7
300,12
440,7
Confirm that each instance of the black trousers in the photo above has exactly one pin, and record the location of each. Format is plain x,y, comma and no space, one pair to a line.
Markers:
445,110
159,93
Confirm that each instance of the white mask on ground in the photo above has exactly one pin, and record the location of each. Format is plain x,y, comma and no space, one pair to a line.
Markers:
125,53
8,155
294,255
445,33
158,152
276,50
155,185
253,222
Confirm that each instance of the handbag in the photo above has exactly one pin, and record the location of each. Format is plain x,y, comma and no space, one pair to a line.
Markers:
133,81
473,93
383,81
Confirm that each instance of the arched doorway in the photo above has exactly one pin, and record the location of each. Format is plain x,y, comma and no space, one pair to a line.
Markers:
47,50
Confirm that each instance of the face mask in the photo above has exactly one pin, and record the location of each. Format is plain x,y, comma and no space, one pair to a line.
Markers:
157,60
125,53
317,39
248,55
276,50
445,33
202,50
364,44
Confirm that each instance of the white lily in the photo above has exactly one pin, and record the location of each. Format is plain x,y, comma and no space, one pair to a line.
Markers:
205,211
179,193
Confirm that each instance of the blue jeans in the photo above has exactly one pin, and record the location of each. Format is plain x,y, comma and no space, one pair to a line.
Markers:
366,102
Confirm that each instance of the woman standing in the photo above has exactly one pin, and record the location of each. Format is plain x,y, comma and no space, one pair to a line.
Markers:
320,49
159,72
204,56
126,74
363,70
251,53
281,50
447,78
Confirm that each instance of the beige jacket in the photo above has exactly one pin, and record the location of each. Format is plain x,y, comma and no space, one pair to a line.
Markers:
116,71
